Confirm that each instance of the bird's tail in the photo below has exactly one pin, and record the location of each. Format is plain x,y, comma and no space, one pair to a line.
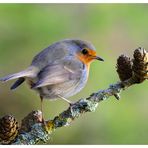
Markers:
29,72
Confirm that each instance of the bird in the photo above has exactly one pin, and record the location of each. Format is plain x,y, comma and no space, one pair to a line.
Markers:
59,71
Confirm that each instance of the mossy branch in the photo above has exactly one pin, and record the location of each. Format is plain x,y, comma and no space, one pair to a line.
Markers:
32,130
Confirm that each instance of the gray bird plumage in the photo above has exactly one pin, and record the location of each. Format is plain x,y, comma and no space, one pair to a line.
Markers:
55,70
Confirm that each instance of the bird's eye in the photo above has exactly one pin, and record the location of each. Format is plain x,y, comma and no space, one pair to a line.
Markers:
84,51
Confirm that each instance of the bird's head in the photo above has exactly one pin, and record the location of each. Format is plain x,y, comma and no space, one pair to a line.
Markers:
85,51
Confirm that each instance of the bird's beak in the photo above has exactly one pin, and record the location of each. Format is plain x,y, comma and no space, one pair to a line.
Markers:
98,58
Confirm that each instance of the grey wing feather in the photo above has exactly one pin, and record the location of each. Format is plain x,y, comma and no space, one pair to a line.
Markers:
54,52
58,73
17,83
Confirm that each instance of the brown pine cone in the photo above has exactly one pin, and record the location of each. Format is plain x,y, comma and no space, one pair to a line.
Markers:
8,129
140,65
124,67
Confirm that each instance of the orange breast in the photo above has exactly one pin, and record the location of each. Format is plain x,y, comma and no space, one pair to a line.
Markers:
87,59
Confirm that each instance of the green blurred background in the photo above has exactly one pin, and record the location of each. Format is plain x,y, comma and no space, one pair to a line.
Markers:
114,29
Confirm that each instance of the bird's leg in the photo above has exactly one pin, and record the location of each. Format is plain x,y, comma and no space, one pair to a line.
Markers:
42,109
69,102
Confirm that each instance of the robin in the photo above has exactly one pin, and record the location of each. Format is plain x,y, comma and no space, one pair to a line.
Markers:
59,71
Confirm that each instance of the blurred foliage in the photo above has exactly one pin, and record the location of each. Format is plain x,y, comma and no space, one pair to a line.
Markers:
25,29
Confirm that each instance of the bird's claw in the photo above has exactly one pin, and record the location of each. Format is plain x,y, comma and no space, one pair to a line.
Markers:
117,96
71,103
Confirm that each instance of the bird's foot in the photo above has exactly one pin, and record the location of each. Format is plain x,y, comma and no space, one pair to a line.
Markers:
117,96
71,103
43,122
